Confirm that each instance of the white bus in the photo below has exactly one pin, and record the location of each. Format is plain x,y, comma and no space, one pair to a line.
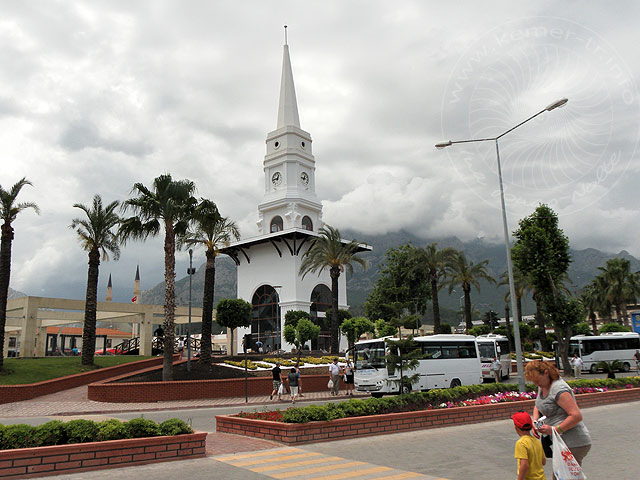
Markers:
490,347
447,361
607,347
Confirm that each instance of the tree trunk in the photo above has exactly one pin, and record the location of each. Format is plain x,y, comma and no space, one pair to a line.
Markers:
5,273
335,341
169,325
542,333
467,306
207,307
563,348
625,316
90,307
436,303
594,324
618,315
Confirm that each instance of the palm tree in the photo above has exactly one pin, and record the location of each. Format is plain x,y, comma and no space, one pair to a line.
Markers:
213,231
435,262
9,210
330,251
623,286
591,304
168,206
97,237
467,275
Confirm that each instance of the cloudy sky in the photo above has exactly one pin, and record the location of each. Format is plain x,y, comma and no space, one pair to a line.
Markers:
95,96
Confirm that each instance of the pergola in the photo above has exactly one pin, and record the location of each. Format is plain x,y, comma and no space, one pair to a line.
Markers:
32,315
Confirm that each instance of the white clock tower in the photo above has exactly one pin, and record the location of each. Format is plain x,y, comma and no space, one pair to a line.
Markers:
289,168
289,218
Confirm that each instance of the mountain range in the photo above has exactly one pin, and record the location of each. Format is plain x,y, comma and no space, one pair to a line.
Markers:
583,269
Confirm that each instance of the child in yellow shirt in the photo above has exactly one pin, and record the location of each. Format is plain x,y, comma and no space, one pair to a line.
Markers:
528,453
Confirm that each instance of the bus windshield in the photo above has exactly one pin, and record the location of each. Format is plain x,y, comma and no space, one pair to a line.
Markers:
487,351
370,355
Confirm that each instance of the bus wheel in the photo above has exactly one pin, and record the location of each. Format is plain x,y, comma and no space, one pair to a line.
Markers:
455,383
376,395
593,368
406,389
499,377
626,367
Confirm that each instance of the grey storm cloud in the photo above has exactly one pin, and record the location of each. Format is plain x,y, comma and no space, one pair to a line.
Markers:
95,96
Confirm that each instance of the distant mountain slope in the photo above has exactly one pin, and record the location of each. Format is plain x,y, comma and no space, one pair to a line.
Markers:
583,268
15,294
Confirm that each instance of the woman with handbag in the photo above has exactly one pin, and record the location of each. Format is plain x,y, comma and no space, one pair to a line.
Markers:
556,401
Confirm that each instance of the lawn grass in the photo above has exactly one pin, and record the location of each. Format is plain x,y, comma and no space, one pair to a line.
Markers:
20,371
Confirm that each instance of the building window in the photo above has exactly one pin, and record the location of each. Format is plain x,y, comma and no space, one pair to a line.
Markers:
276,224
320,303
307,224
265,323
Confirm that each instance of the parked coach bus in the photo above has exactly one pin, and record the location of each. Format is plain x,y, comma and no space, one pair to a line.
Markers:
447,361
490,347
607,347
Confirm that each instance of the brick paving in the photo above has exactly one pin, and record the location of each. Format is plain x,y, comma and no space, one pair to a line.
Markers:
76,402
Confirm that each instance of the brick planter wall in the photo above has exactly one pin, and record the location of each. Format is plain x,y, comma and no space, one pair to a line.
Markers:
298,433
192,389
58,459
18,393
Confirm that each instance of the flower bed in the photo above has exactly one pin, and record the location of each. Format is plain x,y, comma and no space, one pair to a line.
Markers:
388,415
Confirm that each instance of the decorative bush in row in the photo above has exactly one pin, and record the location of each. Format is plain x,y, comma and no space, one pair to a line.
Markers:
431,400
56,432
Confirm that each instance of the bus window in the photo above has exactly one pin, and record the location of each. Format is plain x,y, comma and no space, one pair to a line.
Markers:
370,355
450,351
431,351
487,351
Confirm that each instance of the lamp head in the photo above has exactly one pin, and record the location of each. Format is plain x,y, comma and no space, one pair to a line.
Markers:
560,103
442,145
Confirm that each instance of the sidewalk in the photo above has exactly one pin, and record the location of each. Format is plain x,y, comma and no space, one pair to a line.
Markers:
76,402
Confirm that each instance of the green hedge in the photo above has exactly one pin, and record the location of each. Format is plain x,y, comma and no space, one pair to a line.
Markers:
423,400
81,431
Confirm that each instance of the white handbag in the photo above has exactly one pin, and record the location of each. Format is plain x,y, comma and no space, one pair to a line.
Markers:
330,384
565,466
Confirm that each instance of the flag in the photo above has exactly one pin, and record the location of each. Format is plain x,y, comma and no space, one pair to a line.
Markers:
134,299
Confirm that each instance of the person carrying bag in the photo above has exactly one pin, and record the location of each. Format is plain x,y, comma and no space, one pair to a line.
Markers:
565,466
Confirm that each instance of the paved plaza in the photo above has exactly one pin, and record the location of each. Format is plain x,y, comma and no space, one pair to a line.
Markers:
479,451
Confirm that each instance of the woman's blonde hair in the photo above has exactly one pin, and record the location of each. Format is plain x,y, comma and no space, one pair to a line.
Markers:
538,367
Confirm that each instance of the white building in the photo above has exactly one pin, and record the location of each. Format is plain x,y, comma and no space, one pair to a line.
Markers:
289,218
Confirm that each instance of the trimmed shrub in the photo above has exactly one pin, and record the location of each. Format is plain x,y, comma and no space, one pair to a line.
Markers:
50,433
174,426
112,430
18,436
81,431
141,427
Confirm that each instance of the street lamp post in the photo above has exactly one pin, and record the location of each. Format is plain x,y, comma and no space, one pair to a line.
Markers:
190,272
516,326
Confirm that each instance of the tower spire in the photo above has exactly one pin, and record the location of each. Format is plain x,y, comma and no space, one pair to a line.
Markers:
288,107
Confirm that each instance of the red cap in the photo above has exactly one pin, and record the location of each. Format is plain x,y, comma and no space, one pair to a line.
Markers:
522,420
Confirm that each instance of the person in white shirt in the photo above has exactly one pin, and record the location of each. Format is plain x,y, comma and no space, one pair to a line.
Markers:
577,363
495,368
334,374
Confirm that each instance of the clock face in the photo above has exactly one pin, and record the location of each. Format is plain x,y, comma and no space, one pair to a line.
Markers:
304,178
276,178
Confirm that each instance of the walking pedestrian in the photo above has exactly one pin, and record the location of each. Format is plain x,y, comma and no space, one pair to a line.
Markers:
576,361
636,356
334,375
277,381
348,378
528,451
495,368
300,394
557,402
293,384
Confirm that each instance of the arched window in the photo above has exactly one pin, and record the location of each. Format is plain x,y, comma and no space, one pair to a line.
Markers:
265,324
276,224
307,224
320,303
